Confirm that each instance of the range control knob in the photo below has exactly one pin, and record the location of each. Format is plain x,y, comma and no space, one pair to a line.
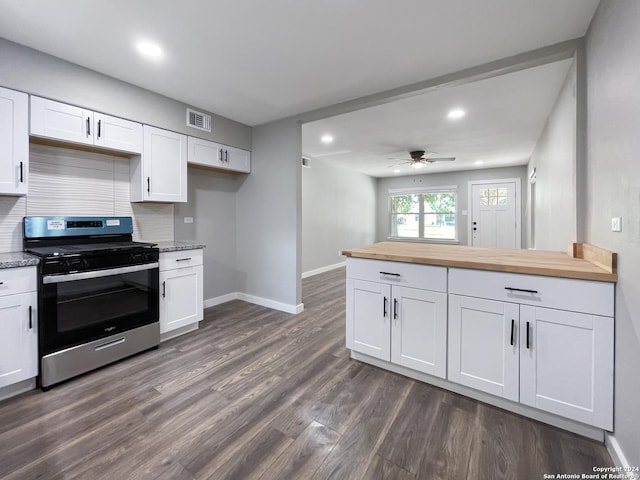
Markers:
84,263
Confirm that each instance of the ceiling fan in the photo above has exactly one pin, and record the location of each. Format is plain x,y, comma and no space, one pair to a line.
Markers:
419,159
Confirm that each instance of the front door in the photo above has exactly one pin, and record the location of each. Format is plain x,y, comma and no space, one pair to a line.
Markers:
494,221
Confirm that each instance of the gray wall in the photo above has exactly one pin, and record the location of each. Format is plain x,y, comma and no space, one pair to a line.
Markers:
34,72
269,215
212,204
338,212
613,189
554,159
460,179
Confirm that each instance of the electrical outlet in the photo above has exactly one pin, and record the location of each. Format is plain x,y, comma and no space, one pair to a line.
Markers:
188,219
616,224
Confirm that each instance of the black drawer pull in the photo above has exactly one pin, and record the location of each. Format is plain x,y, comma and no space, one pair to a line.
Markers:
391,274
183,259
527,334
513,324
524,290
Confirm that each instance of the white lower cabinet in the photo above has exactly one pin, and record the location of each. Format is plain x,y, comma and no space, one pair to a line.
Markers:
18,325
483,348
566,364
181,302
559,361
397,323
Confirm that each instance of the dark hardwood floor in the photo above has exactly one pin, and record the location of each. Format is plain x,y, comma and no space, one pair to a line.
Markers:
260,394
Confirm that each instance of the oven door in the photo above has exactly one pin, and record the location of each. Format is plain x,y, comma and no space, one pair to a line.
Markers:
84,306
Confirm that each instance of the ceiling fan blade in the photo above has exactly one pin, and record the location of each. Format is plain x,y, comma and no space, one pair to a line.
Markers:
397,164
440,159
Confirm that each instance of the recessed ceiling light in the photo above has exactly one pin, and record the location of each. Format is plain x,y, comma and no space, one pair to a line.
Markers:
326,138
456,113
478,162
149,49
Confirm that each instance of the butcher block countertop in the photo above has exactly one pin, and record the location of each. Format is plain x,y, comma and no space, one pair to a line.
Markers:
582,261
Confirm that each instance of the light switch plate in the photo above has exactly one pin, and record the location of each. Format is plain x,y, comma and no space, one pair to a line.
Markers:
616,224
188,219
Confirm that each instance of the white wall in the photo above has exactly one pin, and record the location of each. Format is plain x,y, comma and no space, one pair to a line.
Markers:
269,217
613,189
461,179
338,212
554,159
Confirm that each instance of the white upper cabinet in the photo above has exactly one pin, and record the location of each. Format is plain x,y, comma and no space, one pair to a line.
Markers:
215,155
160,174
14,142
117,134
67,123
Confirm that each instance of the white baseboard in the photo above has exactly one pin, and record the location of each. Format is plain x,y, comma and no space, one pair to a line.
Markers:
614,449
311,273
17,388
212,302
264,302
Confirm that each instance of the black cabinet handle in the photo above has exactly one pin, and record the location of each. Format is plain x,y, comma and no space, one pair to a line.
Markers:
148,184
226,156
520,290
183,259
513,324
391,274
222,155
164,289
384,307
21,173
99,121
88,126
527,334
395,308
30,317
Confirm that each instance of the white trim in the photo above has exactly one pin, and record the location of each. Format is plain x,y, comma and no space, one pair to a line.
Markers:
179,331
443,188
518,182
588,431
328,268
212,302
614,449
14,389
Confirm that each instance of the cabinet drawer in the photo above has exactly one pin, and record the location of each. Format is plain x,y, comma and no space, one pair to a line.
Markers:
17,280
413,275
552,292
180,259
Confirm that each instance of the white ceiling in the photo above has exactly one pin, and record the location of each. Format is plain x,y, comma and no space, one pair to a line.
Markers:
505,116
257,61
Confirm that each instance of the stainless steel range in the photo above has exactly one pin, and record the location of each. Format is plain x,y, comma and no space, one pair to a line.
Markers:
97,293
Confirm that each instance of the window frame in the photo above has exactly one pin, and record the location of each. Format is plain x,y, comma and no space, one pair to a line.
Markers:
423,191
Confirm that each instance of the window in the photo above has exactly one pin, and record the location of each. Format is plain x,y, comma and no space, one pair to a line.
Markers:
427,214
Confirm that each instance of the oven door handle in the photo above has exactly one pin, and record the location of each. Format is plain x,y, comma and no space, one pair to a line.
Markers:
109,272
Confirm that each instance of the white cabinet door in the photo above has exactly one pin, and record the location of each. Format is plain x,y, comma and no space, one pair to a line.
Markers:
14,142
237,159
566,364
117,134
61,121
368,318
205,153
18,338
180,298
163,176
483,346
419,330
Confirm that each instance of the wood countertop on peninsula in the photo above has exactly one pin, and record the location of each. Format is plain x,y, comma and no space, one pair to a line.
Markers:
583,261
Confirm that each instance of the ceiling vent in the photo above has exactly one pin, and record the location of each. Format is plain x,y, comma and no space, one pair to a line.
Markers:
198,120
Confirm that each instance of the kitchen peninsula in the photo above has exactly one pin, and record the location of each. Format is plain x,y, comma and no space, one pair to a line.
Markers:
529,331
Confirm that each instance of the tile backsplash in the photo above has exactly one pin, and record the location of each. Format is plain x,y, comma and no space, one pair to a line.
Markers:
73,182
